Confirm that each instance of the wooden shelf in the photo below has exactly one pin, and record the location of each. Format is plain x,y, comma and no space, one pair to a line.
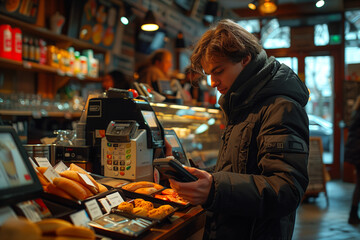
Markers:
35,67
39,114
60,40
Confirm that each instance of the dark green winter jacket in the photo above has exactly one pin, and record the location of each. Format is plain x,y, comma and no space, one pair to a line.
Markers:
261,173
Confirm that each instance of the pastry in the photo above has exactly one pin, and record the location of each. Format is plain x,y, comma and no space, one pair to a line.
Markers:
139,211
156,214
126,207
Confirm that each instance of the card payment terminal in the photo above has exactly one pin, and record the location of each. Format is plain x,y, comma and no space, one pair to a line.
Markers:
124,152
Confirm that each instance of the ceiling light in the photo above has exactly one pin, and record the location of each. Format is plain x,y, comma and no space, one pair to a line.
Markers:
252,5
149,23
320,3
267,6
128,15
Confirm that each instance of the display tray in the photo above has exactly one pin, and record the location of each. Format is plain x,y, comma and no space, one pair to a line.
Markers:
118,226
161,218
77,204
151,197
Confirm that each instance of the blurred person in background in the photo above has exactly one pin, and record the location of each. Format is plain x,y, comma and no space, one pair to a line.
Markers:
115,79
352,155
156,67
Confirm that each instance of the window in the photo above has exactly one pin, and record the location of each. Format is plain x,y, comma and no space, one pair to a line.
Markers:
273,36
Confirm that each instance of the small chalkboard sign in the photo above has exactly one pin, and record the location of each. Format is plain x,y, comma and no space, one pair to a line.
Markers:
316,169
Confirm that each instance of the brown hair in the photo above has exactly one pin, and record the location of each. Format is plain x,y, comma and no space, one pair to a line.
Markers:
224,39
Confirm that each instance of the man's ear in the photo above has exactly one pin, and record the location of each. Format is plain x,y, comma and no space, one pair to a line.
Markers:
246,60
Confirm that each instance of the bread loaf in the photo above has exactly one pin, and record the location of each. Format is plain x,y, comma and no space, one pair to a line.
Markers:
146,191
76,168
51,188
142,184
50,225
76,231
19,228
71,187
74,175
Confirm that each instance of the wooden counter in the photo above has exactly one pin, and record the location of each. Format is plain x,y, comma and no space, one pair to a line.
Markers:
182,225
186,224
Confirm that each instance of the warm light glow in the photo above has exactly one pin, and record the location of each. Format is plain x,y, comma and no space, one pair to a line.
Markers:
179,107
252,5
199,109
150,27
210,110
158,104
267,6
320,3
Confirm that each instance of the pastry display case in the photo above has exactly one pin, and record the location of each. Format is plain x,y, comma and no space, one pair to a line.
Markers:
198,128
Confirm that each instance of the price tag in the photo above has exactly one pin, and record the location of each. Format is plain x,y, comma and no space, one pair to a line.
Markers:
33,163
80,218
50,174
42,162
60,167
93,209
114,199
105,203
29,211
87,180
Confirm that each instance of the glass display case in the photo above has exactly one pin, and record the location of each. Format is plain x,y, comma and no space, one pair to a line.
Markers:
198,128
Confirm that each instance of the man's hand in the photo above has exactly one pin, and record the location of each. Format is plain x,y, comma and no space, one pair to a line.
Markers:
195,192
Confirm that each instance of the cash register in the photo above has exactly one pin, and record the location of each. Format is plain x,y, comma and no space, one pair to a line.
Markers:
124,136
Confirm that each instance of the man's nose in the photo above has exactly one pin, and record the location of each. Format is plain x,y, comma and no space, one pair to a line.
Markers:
214,82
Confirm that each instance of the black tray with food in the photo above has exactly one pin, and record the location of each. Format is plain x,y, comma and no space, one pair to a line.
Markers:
162,196
118,226
147,209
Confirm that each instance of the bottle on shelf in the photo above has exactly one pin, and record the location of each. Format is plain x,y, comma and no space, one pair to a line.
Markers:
6,41
25,49
17,44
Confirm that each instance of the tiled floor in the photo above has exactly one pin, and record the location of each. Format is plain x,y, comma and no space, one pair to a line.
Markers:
317,221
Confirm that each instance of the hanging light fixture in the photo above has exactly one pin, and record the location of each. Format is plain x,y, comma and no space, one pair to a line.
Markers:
149,23
252,5
320,3
128,15
267,6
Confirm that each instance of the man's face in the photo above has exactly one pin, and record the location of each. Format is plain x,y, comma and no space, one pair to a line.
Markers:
223,72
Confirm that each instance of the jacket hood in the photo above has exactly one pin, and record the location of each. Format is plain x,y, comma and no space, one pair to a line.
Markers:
262,78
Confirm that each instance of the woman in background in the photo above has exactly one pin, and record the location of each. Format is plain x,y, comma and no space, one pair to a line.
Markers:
157,67
115,79
352,155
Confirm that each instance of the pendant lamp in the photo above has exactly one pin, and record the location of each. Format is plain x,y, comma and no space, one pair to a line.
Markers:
149,22
267,6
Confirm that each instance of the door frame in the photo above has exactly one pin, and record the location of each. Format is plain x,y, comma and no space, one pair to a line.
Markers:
337,52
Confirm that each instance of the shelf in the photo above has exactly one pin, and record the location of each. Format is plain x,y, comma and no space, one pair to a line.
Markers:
40,114
35,67
61,40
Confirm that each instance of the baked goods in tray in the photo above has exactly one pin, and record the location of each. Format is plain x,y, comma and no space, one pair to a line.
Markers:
171,195
146,209
143,185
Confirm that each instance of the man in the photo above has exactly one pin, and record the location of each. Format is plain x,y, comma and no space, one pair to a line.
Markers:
261,171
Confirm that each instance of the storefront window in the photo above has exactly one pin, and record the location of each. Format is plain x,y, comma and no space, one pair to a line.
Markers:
321,35
252,26
274,36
